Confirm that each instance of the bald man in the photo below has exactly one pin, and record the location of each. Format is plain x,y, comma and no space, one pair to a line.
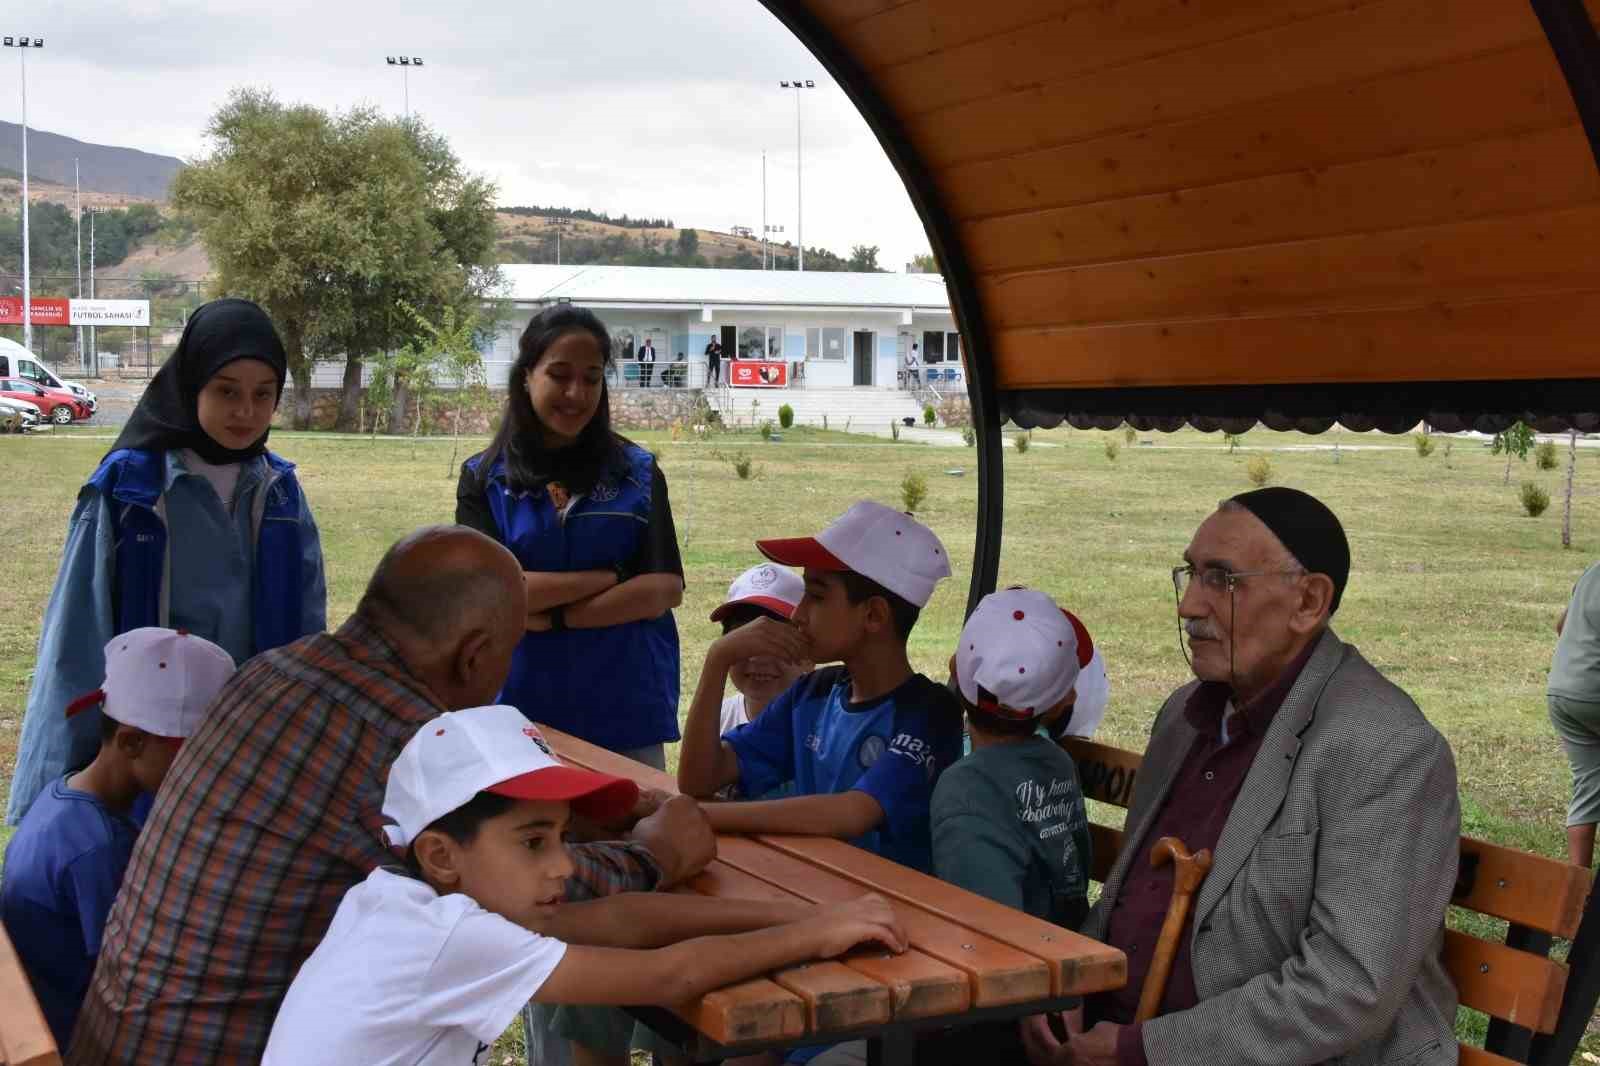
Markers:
1329,804
273,809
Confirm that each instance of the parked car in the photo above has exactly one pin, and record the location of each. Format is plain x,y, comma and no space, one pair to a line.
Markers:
16,361
18,416
59,405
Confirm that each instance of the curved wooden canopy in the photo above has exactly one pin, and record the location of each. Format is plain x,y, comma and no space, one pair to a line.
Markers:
1225,211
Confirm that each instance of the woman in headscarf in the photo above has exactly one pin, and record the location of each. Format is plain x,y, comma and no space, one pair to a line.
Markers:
585,512
189,523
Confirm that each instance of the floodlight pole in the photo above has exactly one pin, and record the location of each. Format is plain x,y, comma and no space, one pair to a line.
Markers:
77,197
405,63
800,202
23,44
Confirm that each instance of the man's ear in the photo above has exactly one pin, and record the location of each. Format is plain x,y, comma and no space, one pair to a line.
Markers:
1316,597
438,856
879,618
470,655
130,741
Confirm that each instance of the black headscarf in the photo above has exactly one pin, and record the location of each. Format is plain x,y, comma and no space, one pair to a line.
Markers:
168,415
1306,527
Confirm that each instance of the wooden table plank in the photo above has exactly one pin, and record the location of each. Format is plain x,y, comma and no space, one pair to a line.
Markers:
919,986
998,974
25,1038
747,1012
1077,964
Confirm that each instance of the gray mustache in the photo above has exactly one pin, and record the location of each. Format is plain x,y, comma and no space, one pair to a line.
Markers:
1200,629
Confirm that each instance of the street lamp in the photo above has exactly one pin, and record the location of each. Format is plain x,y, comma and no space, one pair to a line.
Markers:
799,165
559,224
405,63
25,43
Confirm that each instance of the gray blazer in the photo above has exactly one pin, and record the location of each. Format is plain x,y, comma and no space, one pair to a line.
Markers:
1316,936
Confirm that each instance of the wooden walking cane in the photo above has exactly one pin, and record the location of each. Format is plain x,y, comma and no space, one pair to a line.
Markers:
1187,873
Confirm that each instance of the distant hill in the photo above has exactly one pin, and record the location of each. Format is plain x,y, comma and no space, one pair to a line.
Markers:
103,168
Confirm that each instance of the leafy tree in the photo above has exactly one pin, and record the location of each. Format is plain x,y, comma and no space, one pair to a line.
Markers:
926,263
688,244
1514,441
333,223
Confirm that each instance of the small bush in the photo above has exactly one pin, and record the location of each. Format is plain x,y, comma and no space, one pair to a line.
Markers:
894,429
743,465
969,436
1232,440
1545,455
1423,443
1022,442
1130,435
913,491
1258,470
786,416
1112,448
766,430
1534,499
929,415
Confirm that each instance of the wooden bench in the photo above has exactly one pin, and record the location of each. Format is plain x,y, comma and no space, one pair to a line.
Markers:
25,1038
1538,1008
969,958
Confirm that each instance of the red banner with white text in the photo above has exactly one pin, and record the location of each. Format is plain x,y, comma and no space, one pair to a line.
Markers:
752,373
47,311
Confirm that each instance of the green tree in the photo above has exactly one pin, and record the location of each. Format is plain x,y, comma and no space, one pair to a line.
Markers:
333,222
926,263
688,245
1514,441
864,259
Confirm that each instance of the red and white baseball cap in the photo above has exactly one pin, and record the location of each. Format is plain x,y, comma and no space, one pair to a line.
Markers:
488,749
775,588
877,542
1093,687
159,680
1018,656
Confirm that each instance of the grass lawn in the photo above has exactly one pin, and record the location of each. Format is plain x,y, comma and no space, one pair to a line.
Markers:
1453,593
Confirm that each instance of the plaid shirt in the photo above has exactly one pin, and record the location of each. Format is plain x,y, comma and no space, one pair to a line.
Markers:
270,812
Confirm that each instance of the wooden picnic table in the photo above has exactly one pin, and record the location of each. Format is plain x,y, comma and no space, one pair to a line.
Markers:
970,959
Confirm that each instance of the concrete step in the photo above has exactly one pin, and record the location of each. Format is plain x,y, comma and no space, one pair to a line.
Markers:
857,408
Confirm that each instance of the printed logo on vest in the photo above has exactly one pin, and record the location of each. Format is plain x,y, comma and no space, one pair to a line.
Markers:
870,751
605,492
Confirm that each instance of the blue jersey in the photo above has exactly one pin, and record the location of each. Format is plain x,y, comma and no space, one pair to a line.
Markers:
62,871
892,748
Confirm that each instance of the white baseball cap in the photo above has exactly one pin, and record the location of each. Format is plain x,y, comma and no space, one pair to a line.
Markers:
1018,656
877,542
774,588
459,754
159,680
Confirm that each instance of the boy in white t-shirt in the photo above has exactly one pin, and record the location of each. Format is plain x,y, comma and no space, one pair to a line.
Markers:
429,964
765,591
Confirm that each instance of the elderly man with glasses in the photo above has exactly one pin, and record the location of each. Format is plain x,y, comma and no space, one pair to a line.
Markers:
1329,805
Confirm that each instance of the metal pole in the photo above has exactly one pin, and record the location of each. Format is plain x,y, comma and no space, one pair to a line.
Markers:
800,199
94,333
405,81
77,198
763,209
27,283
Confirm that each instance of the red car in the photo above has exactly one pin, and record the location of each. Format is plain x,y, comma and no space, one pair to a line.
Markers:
58,405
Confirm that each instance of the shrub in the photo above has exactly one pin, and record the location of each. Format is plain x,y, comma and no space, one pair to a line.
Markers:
766,430
1534,499
1423,443
913,491
1545,455
1022,441
894,429
1112,448
786,416
1129,434
1232,440
743,465
929,415
1258,470
969,436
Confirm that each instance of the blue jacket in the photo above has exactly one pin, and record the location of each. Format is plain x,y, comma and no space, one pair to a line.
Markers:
249,580
618,686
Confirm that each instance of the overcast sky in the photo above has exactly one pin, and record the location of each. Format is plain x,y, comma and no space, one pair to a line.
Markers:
650,108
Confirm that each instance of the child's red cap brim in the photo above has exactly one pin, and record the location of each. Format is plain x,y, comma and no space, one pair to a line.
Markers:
84,702
800,551
769,603
598,796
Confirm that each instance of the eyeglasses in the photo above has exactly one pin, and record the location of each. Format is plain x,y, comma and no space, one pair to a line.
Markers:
1217,579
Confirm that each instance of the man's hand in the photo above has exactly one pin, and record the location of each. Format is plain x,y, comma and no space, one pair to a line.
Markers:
1097,1047
679,838
763,637
650,801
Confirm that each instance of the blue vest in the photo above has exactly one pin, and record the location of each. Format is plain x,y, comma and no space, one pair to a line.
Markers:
618,686
132,481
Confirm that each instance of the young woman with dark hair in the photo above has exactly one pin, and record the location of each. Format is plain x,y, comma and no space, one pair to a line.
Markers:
586,513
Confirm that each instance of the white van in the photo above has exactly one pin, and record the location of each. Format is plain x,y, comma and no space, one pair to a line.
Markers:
17,362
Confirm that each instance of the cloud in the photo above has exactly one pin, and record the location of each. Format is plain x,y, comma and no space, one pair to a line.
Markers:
620,105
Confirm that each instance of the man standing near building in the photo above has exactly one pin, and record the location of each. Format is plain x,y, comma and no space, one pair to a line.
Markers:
1329,803
647,362
713,361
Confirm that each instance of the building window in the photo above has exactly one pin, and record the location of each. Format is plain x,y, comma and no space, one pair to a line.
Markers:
761,342
621,343
833,342
939,346
813,343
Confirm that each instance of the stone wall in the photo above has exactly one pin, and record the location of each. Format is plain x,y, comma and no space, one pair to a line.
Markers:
955,409
630,409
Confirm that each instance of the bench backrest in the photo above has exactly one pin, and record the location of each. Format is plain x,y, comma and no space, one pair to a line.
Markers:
25,1038
1534,1002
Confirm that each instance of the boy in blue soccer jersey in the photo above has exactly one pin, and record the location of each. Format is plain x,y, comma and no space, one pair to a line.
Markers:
861,742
